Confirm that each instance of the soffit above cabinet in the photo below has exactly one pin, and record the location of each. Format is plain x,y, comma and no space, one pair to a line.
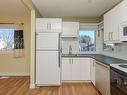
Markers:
74,8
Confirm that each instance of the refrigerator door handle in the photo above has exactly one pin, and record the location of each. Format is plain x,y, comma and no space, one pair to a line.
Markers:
59,57
59,51
37,34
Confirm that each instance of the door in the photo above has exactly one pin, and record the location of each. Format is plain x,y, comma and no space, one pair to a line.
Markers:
76,69
66,68
47,41
47,68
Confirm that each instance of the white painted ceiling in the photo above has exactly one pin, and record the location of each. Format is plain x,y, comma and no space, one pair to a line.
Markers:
74,8
13,8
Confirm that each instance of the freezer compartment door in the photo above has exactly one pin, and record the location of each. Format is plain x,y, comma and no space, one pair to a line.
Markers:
47,41
47,68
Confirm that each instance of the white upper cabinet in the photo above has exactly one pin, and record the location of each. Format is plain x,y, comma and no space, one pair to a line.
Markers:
112,22
111,25
48,25
123,11
70,29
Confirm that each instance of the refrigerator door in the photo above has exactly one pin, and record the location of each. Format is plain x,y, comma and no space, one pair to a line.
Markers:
47,68
47,41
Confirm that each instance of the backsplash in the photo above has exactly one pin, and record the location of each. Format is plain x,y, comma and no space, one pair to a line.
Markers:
66,42
120,51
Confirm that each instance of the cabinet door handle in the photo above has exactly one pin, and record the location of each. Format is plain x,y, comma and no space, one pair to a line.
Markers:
72,61
69,61
112,35
50,26
36,34
47,26
109,35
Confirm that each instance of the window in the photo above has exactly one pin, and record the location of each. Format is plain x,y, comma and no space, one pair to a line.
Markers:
6,39
87,40
108,47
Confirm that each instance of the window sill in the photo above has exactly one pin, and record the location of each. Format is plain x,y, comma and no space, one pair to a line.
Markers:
6,51
88,52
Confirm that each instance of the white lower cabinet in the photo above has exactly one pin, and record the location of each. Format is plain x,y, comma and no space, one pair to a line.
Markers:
102,78
66,68
75,69
85,68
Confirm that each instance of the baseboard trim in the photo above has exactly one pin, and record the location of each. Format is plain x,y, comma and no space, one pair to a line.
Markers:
32,86
14,74
79,81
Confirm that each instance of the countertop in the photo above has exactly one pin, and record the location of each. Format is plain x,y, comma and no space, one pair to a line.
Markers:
102,58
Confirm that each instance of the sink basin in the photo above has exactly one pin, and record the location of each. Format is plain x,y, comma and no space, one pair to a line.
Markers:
123,66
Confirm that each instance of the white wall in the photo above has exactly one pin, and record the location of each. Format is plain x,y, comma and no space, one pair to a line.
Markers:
9,65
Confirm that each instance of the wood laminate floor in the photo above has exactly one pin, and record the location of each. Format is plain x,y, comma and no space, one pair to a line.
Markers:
20,86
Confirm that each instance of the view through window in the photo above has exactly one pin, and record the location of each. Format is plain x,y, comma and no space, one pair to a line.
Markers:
87,40
6,39
108,47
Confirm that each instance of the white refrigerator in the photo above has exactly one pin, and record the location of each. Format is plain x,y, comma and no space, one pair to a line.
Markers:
48,55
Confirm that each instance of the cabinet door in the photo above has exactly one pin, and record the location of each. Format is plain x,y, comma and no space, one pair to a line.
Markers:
76,70
111,25
102,78
107,28
84,68
123,9
70,29
56,25
42,25
115,23
66,68
92,70
48,25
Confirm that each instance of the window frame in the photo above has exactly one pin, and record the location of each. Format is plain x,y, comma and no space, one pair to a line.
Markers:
89,27
94,41
4,51
15,26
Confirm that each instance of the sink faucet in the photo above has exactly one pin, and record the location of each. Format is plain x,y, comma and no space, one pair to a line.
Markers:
70,49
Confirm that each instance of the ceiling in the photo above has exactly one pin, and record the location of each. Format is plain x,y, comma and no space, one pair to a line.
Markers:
74,8
13,8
